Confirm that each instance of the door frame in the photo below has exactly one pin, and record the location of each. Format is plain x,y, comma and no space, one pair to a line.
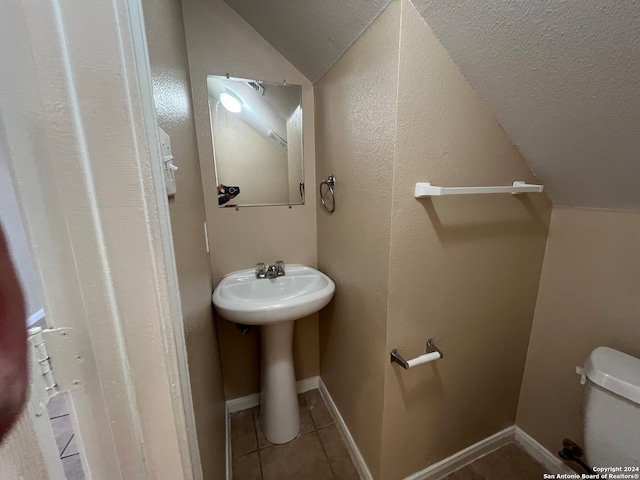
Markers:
78,120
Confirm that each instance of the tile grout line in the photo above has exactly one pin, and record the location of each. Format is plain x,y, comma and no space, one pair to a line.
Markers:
259,449
313,420
59,416
69,456
66,446
316,430
326,456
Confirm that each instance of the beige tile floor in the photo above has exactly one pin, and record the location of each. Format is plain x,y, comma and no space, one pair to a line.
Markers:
507,463
65,438
317,453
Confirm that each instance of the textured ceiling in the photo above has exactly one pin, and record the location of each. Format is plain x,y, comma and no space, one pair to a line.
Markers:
312,35
561,76
563,79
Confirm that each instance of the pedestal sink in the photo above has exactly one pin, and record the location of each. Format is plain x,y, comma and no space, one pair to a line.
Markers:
274,304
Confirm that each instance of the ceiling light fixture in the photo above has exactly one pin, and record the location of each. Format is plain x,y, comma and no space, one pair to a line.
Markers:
230,102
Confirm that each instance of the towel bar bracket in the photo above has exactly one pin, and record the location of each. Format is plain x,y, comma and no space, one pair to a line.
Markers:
397,358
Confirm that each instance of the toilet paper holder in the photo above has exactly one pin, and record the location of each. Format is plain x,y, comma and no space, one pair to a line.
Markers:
433,353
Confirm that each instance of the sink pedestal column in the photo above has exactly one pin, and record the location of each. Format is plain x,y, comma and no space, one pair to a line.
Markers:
279,411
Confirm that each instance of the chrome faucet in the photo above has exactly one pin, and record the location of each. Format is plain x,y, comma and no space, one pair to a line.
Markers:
272,271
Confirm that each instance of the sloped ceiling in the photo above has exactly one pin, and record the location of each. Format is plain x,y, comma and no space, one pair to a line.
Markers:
561,76
311,34
563,79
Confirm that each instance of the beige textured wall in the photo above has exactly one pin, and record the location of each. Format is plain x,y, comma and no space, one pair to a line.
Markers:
219,41
355,116
246,159
463,270
588,297
167,51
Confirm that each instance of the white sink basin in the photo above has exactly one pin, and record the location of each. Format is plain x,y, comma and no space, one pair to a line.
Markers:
275,304
242,298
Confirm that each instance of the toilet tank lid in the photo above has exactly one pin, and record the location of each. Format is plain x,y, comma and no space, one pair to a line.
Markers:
615,371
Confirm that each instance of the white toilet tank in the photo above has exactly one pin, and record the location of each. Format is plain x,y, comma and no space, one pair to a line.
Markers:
612,409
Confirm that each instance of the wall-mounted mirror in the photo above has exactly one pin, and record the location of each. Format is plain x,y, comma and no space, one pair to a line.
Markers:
257,141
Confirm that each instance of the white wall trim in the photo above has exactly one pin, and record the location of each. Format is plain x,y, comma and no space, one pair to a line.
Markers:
183,402
238,404
354,452
253,400
433,472
227,426
552,462
465,456
84,178
307,384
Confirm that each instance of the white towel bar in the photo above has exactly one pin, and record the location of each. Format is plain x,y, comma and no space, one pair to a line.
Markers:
425,189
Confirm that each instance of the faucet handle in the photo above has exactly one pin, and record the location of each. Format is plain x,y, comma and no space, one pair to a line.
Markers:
280,267
261,270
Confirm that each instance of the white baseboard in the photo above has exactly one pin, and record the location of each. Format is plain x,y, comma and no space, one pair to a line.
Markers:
242,403
307,384
227,426
355,454
552,462
253,400
466,456
436,471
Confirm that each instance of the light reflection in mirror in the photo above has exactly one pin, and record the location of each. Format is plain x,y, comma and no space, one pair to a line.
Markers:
257,141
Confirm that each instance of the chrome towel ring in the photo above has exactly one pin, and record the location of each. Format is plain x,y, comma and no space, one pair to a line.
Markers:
329,182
